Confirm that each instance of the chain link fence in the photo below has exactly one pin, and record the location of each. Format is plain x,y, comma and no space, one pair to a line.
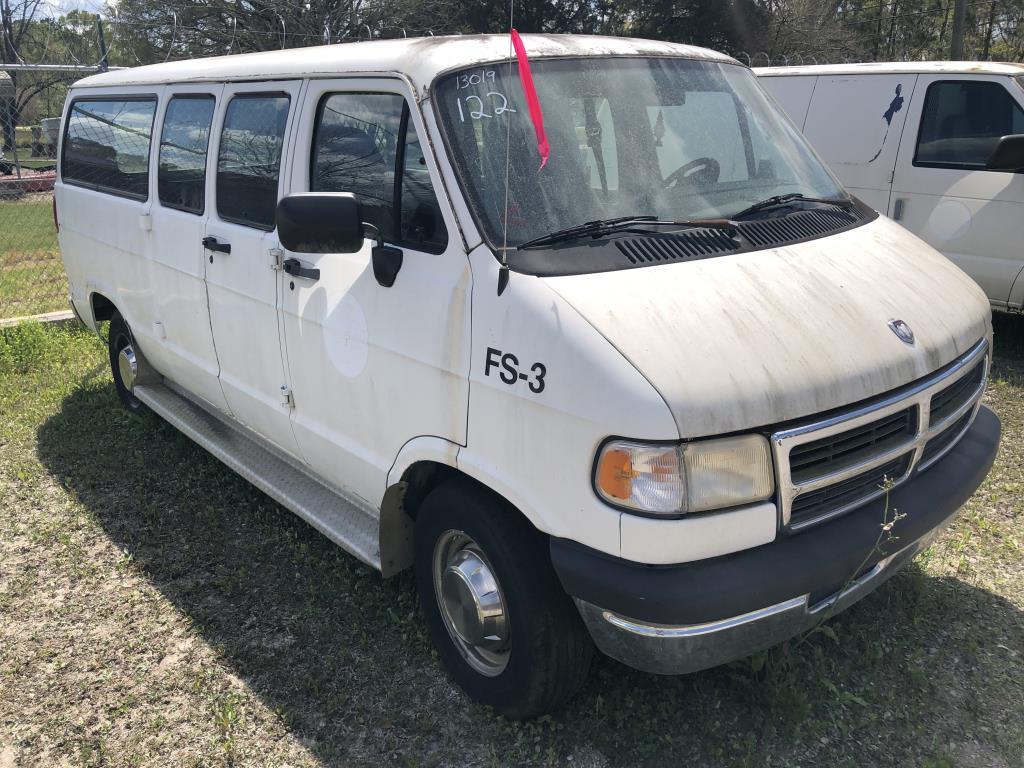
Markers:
32,276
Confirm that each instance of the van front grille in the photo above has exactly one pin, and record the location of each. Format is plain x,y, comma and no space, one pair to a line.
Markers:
844,449
832,499
935,448
830,466
949,400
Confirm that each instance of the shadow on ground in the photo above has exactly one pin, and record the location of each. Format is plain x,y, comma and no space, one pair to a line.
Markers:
908,673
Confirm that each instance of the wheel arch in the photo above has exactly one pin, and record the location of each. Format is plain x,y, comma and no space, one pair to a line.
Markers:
402,502
101,307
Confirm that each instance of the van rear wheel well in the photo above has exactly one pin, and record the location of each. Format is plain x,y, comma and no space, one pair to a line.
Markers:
102,307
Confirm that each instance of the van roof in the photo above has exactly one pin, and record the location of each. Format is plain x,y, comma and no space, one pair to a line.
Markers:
898,67
421,59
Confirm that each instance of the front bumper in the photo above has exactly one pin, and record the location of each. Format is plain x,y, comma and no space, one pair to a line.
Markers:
684,618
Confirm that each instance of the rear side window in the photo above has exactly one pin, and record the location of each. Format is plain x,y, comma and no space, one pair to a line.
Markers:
963,120
365,144
184,139
249,161
106,145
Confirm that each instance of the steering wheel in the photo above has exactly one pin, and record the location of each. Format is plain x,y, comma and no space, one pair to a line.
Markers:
703,170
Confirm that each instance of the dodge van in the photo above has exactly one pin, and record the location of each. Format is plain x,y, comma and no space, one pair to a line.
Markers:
939,146
630,370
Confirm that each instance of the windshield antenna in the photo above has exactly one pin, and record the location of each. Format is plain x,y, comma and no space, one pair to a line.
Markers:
503,273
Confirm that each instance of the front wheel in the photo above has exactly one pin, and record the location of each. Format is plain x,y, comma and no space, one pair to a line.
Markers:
503,626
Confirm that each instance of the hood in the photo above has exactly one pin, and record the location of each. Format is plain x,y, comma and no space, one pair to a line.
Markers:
746,341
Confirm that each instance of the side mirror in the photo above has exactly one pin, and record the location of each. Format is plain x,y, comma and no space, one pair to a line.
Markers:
320,222
1008,154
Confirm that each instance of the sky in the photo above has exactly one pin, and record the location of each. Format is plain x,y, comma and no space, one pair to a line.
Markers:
60,7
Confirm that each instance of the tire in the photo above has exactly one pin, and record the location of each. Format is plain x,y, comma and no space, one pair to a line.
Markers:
119,336
547,650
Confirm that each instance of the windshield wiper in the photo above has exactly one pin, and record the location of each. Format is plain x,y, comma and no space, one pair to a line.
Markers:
792,197
603,227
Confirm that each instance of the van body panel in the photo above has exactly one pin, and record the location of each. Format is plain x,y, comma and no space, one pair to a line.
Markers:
793,94
530,339
104,259
393,362
855,123
244,295
786,332
972,216
181,343
1016,300
420,449
698,537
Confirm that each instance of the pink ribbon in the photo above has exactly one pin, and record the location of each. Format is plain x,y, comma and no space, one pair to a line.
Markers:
532,102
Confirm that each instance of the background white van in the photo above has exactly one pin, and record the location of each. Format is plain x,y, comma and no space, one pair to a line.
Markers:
915,141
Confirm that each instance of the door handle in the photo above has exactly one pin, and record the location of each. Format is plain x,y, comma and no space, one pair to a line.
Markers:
213,244
294,268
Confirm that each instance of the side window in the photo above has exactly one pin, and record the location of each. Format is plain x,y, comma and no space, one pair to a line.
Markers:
364,144
106,145
962,121
422,225
184,140
355,150
249,160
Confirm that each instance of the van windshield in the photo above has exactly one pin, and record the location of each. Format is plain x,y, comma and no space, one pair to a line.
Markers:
665,137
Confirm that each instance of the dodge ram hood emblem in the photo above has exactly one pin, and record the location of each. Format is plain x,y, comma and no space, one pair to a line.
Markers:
902,331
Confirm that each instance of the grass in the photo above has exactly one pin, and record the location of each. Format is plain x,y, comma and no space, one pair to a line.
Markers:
23,147
32,277
31,162
156,610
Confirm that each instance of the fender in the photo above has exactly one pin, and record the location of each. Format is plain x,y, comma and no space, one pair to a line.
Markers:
395,530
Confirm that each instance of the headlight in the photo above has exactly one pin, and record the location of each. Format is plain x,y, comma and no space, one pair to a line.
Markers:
692,477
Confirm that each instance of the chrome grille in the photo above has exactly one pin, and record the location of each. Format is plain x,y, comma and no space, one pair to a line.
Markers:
937,447
951,399
850,448
824,501
833,465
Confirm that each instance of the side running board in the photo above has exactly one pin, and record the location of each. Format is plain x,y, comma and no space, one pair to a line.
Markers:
354,529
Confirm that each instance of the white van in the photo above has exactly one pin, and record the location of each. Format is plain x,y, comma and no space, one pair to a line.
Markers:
660,393
939,146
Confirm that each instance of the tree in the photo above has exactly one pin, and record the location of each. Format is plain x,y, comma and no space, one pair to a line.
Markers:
29,37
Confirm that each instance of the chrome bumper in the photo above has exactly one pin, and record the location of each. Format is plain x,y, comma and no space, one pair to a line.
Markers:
676,650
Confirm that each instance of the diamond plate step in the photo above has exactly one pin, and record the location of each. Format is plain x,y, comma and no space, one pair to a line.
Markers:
349,526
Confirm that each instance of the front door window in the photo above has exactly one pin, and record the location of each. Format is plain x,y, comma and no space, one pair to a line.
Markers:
962,121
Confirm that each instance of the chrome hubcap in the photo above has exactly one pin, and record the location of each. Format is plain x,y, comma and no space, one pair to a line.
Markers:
471,602
127,366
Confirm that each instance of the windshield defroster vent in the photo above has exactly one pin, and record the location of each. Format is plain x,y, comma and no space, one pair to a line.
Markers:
629,250
692,244
760,233
803,225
